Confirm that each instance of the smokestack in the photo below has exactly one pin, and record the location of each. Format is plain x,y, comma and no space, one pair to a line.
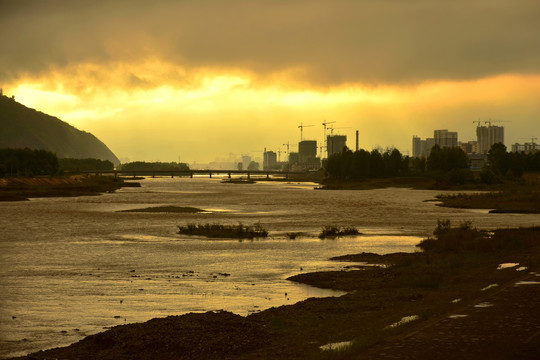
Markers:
356,140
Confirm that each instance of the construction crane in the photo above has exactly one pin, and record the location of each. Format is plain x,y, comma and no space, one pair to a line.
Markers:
287,145
493,121
532,139
302,126
333,128
478,122
325,123
279,154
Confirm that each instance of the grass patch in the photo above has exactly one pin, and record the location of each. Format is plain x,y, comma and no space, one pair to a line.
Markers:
333,231
166,209
294,234
524,200
239,231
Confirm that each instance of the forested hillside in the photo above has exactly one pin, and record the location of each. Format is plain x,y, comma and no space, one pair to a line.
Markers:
22,127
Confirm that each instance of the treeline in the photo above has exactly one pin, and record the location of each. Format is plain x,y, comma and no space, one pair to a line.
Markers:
153,166
78,165
512,164
363,164
27,162
451,163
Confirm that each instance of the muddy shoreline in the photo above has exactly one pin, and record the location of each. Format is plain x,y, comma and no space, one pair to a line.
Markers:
21,189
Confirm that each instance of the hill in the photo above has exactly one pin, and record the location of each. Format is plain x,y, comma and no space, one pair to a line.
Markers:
22,127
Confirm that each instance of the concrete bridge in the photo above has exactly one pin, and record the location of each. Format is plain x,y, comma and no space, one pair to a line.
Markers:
190,173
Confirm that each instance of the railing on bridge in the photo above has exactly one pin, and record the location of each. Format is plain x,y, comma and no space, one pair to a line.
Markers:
190,173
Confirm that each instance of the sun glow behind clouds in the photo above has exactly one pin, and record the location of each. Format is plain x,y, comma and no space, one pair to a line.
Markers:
153,100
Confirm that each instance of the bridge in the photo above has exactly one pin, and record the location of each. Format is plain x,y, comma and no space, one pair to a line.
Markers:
190,173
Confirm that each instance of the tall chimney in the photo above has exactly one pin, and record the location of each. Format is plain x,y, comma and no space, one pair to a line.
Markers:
356,140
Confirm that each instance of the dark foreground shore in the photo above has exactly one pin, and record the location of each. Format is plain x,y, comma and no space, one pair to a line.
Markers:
20,189
459,301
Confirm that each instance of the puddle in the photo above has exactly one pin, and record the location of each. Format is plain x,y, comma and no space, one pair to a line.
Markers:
457,316
483,305
521,268
507,265
336,346
489,287
455,301
404,320
525,282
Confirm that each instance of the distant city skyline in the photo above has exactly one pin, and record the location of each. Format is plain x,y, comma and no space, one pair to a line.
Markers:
199,80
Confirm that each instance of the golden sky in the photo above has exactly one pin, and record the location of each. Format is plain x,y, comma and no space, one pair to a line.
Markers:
199,80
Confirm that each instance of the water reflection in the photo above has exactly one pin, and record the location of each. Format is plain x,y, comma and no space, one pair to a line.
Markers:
77,263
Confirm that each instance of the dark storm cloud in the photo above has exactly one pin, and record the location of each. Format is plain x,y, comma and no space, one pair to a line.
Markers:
384,41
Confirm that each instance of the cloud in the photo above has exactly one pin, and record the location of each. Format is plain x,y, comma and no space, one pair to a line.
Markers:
318,42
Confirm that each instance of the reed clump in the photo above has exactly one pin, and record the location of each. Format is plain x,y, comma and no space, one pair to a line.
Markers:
333,231
239,231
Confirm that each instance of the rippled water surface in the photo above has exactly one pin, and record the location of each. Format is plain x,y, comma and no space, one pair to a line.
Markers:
71,267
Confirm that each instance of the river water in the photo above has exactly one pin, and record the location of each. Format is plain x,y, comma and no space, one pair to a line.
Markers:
71,267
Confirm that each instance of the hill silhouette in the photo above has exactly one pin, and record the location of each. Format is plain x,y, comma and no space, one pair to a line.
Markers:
22,127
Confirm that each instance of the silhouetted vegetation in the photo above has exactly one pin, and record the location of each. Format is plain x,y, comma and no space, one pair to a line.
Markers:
448,166
362,164
166,209
78,165
224,231
333,231
466,238
153,166
525,200
446,159
27,162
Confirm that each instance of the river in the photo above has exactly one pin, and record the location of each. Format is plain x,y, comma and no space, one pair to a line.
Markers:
71,267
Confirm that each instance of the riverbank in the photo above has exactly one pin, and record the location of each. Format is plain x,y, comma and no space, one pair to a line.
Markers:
456,272
20,189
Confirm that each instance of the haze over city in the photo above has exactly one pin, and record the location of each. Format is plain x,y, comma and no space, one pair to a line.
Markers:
193,81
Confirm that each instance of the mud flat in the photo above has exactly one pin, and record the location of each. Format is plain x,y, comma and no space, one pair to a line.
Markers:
20,189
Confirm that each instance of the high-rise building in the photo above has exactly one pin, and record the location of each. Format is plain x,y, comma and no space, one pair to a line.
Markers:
307,155
422,148
307,149
335,144
269,160
445,138
487,136
246,160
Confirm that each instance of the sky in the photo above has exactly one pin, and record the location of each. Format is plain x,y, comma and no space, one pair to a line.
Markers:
194,81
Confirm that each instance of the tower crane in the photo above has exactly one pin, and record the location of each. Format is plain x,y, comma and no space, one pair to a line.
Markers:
532,139
287,145
302,126
333,128
493,121
478,122
325,123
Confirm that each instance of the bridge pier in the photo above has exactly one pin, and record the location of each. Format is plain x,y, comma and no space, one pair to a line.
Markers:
229,175
210,175
267,176
191,175
248,175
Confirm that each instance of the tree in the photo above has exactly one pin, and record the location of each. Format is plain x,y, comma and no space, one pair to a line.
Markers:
253,166
498,158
